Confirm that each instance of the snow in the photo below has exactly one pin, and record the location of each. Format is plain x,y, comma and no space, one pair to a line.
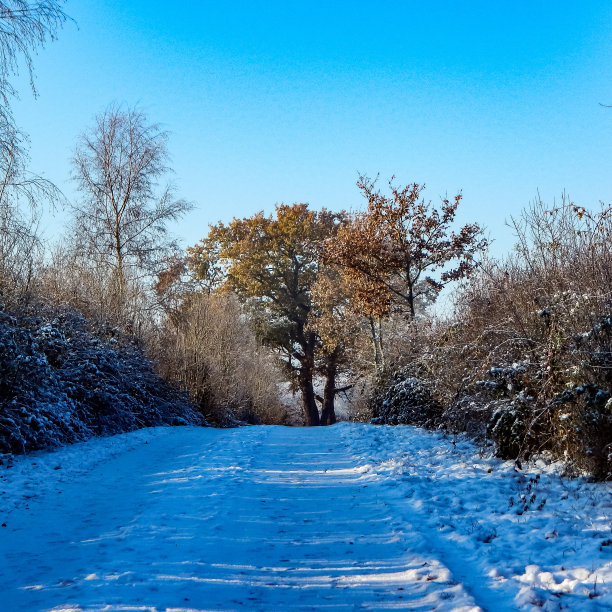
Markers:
268,518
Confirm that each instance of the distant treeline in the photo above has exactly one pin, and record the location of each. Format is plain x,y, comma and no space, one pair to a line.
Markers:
269,313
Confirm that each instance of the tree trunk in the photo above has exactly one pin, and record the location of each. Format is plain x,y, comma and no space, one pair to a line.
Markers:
376,335
411,300
119,274
328,414
309,405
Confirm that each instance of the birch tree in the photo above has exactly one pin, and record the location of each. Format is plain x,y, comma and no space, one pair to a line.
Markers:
121,219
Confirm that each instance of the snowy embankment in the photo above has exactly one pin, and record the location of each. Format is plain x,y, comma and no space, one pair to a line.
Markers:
63,380
270,518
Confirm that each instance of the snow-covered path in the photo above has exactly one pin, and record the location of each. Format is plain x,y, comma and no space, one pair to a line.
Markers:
266,518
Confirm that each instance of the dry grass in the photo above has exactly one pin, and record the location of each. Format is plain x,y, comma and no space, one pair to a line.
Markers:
208,347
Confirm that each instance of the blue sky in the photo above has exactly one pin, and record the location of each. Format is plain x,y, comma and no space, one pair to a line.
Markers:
289,101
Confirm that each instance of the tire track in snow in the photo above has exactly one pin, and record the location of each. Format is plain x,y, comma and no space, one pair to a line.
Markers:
413,504
330,537
260,518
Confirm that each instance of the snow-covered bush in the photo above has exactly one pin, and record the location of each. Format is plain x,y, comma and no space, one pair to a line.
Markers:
509,426
530,345
62,381
582,421
404,398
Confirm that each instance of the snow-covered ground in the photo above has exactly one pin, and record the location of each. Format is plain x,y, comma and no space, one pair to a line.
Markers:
268,518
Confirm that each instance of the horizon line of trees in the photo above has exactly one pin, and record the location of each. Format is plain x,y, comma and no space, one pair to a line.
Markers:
318,284
301,296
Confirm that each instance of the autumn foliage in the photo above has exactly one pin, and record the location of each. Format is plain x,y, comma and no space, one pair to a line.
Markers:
272,263
403,247
317,285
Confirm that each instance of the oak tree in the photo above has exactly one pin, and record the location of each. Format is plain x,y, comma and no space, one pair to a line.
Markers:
338,328
273,262
403,247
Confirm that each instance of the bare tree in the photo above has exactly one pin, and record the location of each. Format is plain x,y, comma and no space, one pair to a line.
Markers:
21,193
20,250
122,217
17,183
24,28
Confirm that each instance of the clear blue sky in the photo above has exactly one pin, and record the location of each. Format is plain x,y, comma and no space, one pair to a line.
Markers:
288,101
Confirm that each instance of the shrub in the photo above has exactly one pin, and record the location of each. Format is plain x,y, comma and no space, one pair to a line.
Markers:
531,341
63,381
404,398
526,358
581,418
208,348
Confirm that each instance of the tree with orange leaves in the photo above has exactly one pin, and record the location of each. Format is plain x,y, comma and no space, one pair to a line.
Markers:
273,262
339,330
403,248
